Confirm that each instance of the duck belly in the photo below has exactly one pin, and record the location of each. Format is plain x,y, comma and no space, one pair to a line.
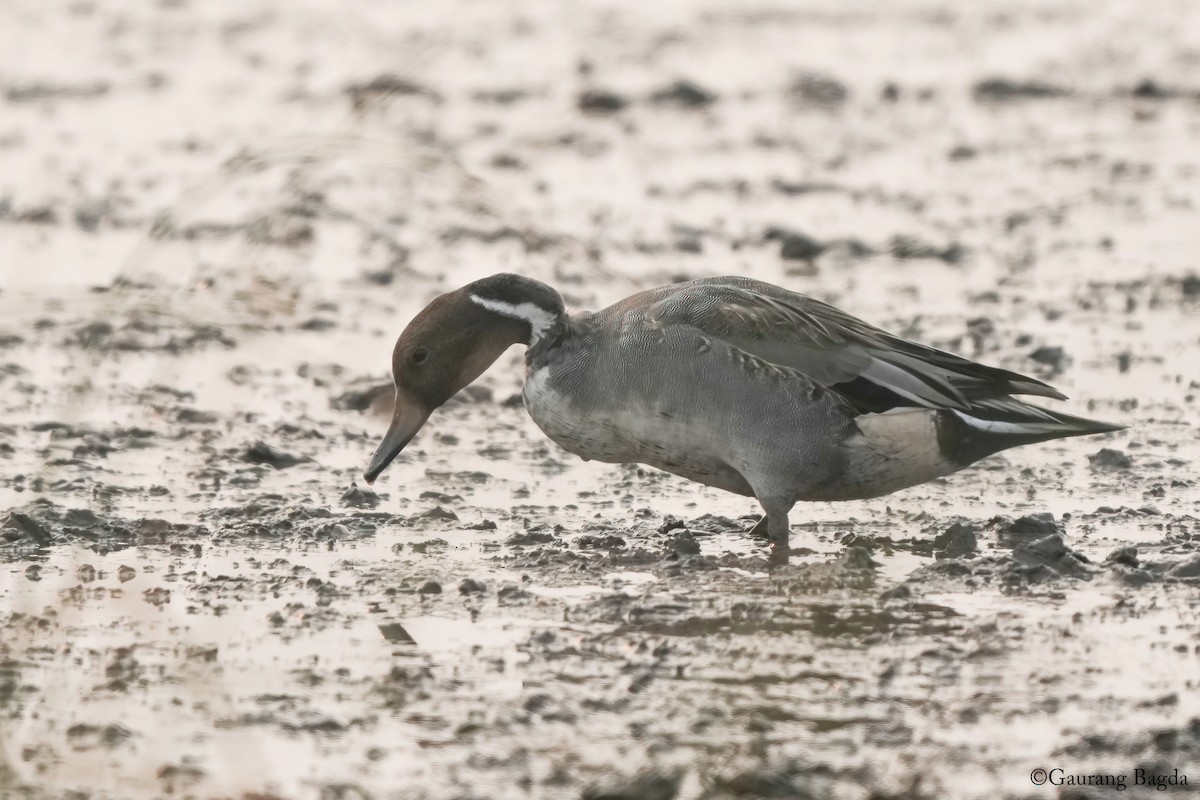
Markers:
638,429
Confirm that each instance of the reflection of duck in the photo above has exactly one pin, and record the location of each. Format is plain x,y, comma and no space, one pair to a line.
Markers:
730,382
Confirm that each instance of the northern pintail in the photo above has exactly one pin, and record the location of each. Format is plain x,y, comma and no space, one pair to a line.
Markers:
730,382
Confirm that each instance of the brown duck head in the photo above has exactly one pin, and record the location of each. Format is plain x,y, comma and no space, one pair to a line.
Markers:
452,341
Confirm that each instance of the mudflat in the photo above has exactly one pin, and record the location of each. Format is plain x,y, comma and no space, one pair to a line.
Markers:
215,219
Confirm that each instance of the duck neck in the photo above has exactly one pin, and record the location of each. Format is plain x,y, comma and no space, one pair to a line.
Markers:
537,306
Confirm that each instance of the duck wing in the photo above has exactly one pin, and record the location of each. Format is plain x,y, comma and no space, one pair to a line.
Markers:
872,369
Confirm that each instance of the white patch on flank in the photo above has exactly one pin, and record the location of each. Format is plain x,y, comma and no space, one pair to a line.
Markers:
901,449
995,426
539,319
908,433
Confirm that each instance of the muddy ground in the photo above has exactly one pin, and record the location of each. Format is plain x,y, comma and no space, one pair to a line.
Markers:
215,217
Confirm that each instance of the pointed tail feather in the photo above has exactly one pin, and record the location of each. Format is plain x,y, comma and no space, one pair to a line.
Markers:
994,425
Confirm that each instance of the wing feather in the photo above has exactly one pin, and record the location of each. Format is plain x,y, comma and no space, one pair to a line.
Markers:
873,369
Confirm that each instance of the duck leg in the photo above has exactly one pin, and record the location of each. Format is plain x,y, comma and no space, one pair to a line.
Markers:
778,528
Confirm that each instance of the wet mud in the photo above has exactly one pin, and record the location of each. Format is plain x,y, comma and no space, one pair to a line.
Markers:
214,220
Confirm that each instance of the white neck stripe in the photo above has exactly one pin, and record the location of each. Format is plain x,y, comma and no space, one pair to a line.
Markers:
539,319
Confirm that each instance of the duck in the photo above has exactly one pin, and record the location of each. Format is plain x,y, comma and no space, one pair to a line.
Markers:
727,381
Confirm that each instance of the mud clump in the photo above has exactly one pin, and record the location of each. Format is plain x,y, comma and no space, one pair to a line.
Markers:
1188,568
139,335
355,497
271,517
192,416
600,101
1124,556
372,394
853,569
437,513
791,779
511,594
1049,557
1150,89
471,586
1001,90
682,543
42,523
263,453
706,523
382,88
1179,740
606,541
649,785
1013,533
1039,555
395,632
531,537
36,92
910,247
815,89
1168,743
794,245
88,737
683,94
1054,357
17,525
957,541
1108,459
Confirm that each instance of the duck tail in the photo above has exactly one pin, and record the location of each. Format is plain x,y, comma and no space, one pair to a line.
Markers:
990,426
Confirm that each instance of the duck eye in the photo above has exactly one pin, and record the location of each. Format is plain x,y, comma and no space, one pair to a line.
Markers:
420,355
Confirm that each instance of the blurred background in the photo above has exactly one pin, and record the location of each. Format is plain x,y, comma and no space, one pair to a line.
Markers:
326,168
